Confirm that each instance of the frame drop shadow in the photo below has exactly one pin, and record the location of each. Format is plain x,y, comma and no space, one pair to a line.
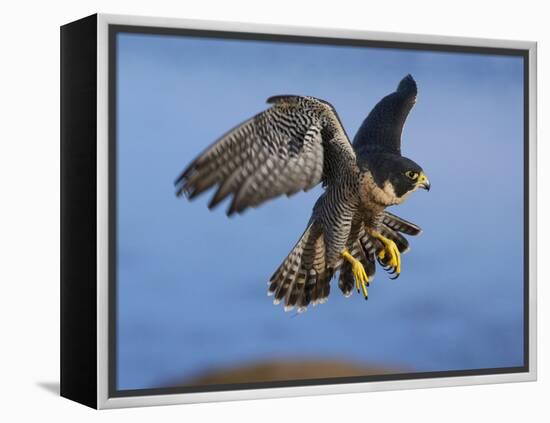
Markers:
51,387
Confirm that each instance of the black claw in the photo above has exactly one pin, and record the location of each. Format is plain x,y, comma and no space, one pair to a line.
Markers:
395,277
392,270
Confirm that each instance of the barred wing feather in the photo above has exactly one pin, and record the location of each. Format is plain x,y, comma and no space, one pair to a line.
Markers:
290,147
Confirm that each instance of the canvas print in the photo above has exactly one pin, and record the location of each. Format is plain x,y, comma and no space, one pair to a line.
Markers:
374,193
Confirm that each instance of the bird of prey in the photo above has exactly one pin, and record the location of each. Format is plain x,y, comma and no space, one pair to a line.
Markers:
298,143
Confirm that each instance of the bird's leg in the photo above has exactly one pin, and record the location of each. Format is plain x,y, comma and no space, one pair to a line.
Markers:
359,274
389,254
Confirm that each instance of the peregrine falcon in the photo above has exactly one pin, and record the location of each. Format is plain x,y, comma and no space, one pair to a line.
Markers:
298,143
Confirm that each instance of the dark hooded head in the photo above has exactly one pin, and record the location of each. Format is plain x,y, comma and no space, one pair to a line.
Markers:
395,176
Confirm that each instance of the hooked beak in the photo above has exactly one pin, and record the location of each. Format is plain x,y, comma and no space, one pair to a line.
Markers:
423,182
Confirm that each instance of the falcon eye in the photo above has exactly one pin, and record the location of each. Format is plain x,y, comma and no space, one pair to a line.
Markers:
411,175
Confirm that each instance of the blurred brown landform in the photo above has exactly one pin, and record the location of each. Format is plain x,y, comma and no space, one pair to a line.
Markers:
287,370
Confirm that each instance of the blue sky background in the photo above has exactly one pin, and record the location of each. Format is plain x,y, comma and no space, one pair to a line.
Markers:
192,283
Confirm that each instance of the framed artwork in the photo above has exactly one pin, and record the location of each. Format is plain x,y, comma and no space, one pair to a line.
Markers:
403,257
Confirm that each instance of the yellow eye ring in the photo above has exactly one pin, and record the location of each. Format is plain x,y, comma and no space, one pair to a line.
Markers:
411,175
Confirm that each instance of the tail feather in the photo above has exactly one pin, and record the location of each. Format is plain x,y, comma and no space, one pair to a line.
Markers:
321,290
370,245
399,224
304,299
302,277
346,281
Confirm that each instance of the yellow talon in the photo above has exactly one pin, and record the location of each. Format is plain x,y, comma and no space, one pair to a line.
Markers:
359,274
392,252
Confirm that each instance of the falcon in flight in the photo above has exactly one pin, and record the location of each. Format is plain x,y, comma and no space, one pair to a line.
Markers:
298,143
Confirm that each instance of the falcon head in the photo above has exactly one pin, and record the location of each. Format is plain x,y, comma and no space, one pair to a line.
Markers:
404,176
394,178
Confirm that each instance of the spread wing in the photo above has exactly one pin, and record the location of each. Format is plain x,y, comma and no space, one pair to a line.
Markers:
381,130
290,147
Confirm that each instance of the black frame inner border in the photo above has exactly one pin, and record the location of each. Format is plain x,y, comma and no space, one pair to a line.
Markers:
115,29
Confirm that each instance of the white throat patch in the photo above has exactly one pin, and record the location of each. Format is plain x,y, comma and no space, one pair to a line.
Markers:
371,191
